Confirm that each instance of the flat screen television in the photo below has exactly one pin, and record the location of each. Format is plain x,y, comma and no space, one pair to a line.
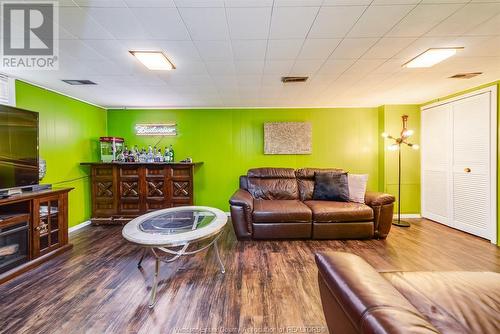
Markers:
18,147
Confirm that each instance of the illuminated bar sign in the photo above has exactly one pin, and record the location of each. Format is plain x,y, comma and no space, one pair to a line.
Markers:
156,129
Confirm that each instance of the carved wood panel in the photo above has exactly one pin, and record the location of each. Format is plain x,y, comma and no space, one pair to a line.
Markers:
129,189
104,189
181,189
156,188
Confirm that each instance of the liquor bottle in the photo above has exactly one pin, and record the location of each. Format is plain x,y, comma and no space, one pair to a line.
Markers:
158,156
171,153
142,156
166,155
136,154
150,156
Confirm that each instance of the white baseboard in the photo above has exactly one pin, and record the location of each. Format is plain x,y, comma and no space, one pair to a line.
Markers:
79,226
408,215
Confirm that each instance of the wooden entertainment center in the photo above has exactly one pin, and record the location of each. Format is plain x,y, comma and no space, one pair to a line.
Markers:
33,229
124,190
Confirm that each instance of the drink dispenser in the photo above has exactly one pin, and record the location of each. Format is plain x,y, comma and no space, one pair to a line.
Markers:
111,147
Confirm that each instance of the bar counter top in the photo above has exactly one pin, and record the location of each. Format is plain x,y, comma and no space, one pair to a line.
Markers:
140,163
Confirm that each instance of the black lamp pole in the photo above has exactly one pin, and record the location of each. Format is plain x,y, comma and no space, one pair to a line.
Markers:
405,134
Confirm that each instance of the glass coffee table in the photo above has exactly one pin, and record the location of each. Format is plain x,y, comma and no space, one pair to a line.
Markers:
174,232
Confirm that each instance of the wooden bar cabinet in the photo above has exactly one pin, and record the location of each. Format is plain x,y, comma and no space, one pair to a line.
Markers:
122,191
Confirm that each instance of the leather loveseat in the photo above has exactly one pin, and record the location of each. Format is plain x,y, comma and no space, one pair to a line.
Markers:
358,299
276,203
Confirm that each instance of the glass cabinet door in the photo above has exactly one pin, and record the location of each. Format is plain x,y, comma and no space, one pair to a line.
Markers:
47,234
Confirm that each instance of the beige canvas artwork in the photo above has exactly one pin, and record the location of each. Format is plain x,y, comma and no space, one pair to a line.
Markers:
288,138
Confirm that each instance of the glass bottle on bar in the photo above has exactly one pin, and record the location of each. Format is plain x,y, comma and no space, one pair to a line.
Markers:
171,153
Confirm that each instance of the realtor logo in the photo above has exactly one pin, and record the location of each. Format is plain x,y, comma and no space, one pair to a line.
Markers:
29,34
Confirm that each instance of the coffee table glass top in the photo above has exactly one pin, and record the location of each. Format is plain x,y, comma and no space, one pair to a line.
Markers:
175,222
175,226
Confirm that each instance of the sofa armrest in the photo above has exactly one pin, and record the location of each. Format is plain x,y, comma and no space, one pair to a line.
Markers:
375,198
241,214
242,198
383,210
357,299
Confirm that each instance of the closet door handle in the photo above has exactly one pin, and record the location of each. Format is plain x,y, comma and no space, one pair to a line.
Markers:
467,170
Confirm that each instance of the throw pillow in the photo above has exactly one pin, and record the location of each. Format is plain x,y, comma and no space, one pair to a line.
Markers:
331,187
357,187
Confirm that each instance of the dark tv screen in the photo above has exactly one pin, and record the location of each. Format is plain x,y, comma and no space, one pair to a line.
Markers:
18,147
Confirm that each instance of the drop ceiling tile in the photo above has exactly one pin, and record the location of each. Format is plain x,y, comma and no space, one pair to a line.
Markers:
364,66
353,47
120,22
282,49
378,20
335,66
220,67
192,67
490,27
297,3
111,49
281,67
78,49
149,3
249,3
318,48
306,67
249,49
395,2
205,23
423,18
335,22
199,3
179,50
100,3
214,50
254,67
77,22
162,23
346,2
249,23
388,47
466,19
292,22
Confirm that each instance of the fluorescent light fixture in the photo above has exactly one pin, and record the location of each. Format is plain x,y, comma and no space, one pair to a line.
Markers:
154,60
431,57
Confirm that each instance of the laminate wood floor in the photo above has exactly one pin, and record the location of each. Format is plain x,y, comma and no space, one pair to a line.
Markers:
269,286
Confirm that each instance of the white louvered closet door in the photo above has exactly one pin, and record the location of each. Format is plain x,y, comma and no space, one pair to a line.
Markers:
436,169
472,177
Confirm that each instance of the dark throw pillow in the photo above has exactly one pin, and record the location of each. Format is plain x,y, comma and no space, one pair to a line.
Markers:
331,187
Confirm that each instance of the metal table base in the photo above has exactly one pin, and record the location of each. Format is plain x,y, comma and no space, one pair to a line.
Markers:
175,254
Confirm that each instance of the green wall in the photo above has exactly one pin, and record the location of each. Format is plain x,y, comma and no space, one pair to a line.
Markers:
496,83
230,141
69,132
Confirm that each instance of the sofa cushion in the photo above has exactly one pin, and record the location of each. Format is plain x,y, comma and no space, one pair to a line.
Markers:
454,302
329,211
281,211
331,187
305,180
273,183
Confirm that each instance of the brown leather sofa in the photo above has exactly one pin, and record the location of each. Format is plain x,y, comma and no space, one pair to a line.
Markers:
358,299
276,203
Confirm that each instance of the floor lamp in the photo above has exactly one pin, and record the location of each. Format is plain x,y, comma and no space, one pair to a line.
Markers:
396,146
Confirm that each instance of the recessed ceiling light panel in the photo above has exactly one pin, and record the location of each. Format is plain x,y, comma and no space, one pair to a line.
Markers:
154,60
431,57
